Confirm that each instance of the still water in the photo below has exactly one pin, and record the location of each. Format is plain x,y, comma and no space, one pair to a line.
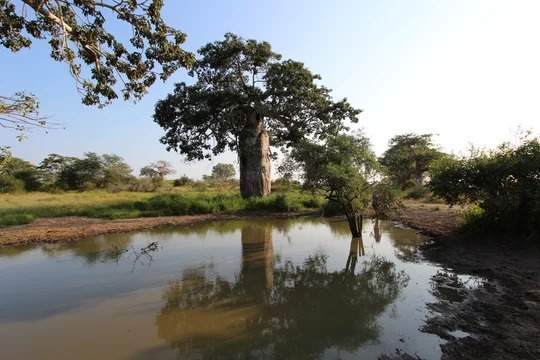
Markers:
242,289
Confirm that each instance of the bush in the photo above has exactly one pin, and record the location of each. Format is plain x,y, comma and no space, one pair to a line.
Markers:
143,185
504,184
182,181
417,192
9,184
385,199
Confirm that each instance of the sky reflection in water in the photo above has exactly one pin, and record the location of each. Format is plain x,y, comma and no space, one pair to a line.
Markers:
264,288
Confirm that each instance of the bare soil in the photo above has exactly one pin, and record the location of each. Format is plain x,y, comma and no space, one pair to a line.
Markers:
66,229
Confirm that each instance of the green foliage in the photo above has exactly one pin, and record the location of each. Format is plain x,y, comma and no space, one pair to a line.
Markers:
333,208
223,172
504,183
100,204
235,78
343,169
182,181
107,171
80,35
17,174
408,158
385,199
416,192
91,172
9,184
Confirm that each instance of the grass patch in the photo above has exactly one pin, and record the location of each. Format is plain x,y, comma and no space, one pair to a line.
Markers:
18,209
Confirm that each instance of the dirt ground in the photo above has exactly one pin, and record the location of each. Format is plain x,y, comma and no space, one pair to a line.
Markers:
66,229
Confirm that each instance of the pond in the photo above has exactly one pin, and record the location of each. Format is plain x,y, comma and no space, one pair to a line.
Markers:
239,289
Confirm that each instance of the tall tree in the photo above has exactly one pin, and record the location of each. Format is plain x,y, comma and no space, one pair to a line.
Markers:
244,99
408,158
80,34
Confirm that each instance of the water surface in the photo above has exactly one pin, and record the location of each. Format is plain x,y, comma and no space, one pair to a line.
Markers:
243,289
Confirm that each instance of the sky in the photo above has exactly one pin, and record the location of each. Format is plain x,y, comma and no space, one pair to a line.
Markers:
465,70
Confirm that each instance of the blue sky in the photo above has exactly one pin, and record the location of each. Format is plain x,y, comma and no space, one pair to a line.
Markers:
466,70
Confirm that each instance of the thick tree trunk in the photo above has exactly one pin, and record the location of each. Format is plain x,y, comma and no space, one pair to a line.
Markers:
254,156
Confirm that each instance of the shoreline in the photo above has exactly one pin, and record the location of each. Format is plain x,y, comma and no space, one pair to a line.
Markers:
73,228
501,315
427,219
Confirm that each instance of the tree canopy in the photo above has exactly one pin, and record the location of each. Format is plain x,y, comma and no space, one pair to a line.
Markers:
408,158
80,34
344,168
223,172
234,78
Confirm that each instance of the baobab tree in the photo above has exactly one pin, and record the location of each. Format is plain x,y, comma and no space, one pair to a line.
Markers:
246,99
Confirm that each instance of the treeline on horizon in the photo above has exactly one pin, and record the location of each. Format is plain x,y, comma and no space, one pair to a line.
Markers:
500,188
107,172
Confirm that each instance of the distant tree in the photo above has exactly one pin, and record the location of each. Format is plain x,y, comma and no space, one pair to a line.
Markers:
157,171
82,174
82,35
52,166
115,170
245,99
344,169
408,159
223,172
17,174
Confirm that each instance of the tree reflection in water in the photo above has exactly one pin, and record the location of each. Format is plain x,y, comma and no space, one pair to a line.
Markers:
287,312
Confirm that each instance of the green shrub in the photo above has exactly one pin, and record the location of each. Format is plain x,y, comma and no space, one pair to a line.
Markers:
417,192
503,183
182,181
15,219
9,184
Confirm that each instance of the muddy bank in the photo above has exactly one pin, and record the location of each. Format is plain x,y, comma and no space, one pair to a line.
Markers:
434,220
495,318
501,314
66,229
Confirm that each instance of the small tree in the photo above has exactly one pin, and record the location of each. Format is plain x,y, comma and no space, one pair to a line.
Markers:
223,172
344,169
408,158
245,99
